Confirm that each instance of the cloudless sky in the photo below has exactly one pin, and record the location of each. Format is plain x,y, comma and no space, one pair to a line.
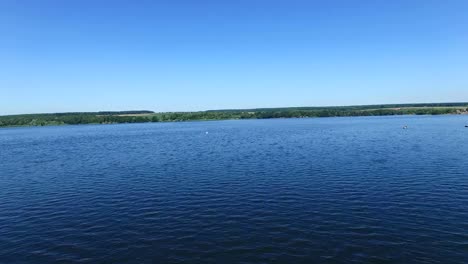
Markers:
175,55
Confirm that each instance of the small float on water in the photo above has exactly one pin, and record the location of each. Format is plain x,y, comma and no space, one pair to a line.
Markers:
405,127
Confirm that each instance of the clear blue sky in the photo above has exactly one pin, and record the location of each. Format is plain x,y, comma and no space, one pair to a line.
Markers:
176,55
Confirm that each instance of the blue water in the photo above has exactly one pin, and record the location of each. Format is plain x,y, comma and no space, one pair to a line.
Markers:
324,190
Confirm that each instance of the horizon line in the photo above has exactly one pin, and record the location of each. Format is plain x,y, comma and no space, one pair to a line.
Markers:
460,103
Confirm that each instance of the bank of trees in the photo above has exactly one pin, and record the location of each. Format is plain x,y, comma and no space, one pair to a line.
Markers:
297,112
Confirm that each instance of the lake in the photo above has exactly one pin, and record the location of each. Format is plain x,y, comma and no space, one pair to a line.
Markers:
323,190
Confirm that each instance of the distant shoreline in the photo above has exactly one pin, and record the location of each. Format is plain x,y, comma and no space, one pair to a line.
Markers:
144,116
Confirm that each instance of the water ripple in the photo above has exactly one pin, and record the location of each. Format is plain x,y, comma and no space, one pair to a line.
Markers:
331,190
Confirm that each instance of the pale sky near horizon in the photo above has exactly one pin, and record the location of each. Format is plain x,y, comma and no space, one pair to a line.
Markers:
174,55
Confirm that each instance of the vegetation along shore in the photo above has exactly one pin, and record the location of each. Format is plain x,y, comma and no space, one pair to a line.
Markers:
113,117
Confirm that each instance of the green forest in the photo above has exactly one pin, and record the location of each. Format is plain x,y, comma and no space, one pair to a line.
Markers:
114,117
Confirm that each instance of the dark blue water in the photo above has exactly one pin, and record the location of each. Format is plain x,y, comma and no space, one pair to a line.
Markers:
328,190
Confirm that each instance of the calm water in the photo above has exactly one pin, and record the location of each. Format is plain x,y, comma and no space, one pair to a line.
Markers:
328,190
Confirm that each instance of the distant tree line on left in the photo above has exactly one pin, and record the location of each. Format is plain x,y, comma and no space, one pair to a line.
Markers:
75,118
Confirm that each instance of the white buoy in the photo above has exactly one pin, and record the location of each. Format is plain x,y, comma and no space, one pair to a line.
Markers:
206,132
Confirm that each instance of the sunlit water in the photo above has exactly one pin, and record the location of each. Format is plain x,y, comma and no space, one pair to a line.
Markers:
325,190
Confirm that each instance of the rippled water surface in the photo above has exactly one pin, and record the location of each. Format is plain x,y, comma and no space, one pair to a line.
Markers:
326,190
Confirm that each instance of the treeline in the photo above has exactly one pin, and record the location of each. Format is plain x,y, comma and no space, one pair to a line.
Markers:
65,119
100,118
346,108
298,112
116,113
340,112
